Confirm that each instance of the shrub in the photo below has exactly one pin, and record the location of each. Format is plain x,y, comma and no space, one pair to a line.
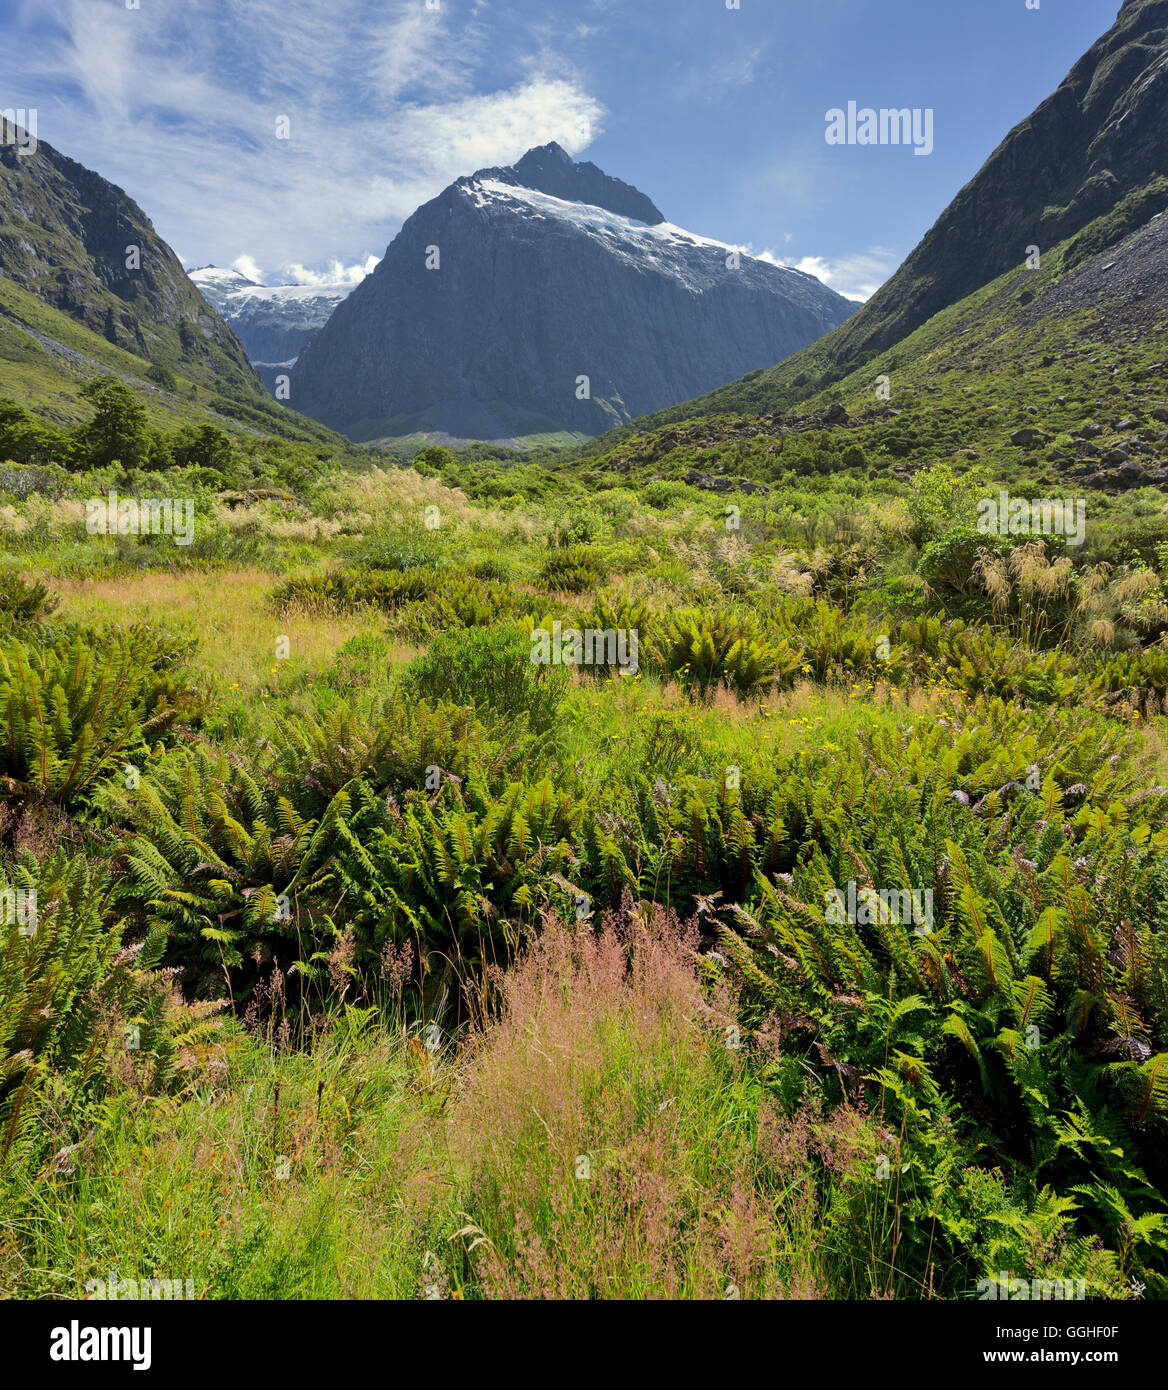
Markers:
949,563
940,499
68,991
22,603
73,714
406,549
490,669
703,650
573,569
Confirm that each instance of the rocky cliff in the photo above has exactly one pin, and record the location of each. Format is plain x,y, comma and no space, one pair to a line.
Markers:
84,246
1099,138
548,297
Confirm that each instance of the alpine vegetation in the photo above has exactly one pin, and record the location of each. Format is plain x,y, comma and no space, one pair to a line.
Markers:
527,848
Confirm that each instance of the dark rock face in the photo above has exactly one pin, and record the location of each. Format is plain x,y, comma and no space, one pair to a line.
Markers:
498,297
65,236
1102,135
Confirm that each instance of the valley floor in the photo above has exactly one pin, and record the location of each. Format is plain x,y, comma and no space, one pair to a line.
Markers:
374,959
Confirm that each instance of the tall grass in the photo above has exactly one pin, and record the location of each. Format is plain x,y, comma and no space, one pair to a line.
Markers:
600,1137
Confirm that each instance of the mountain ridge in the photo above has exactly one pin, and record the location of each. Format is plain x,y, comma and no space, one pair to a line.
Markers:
85,247
1122,77
1052,174
501,310
272,322
550,169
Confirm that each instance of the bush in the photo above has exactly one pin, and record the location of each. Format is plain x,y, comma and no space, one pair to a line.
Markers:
571,570
662,495
74,714
707,649
406,549
940,499
22,603
948,563
492,670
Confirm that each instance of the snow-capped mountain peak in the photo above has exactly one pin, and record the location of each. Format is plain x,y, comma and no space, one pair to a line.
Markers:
543,299
273,322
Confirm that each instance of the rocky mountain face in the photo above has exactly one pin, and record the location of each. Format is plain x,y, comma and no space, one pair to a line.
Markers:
273,322
1101,137
548,297
85,247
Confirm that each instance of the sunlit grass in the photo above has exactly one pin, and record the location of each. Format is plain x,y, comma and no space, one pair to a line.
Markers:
230,615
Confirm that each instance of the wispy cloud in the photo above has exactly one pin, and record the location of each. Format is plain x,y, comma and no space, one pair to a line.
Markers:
248,268
384,102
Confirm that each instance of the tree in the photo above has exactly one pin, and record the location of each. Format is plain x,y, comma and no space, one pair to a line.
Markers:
117,433
162,376
25,439
202,446
435,458
161,458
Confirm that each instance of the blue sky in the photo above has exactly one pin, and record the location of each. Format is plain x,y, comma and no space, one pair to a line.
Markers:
717,113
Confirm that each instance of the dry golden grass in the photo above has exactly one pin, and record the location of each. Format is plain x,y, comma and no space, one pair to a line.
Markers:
366,497
228,612
57,515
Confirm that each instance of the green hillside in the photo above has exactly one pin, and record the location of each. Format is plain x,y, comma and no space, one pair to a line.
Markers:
46,357
1073,351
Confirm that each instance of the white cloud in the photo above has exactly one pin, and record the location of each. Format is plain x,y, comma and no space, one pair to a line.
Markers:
333,274
857,276
736,71
248,268
387,103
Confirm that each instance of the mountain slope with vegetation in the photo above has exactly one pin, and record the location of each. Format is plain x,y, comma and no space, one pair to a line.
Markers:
86,248
1050,376
1092,155
88,287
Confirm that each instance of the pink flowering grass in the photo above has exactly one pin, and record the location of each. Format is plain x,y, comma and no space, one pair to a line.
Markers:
614,1145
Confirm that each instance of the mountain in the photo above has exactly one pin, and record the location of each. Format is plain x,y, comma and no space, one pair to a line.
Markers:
87,287
1101,136
1088,168
273,322
86,248
543,298
1054,378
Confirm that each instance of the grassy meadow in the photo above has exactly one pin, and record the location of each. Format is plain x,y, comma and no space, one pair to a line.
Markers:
351,952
